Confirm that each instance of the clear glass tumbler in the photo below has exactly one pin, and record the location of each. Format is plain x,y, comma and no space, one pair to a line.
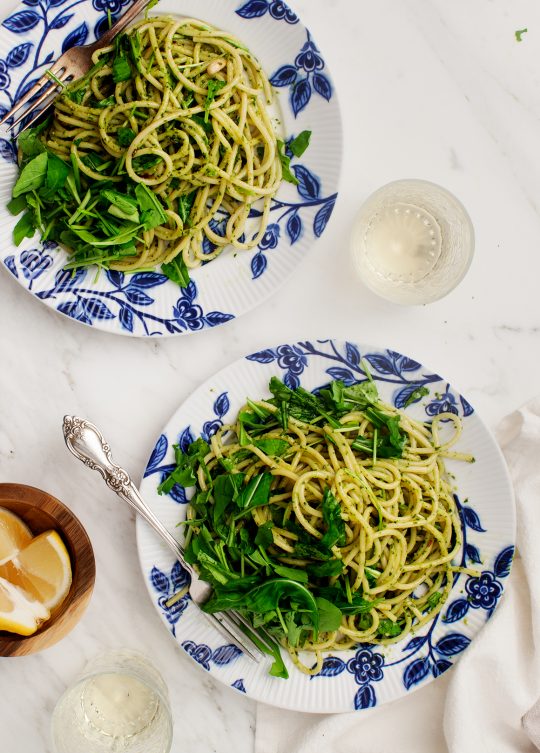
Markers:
120,703
412,242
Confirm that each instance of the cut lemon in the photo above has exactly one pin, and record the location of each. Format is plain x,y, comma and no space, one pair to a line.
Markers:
14,535
19,613
43,569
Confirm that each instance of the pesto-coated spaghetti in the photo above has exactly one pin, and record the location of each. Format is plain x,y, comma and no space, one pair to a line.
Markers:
329,519
178,110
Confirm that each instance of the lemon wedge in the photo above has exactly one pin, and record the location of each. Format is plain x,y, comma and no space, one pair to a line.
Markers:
42,569
19,613
14,535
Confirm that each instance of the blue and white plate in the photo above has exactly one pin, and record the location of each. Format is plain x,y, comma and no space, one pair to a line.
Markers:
148,304
370,675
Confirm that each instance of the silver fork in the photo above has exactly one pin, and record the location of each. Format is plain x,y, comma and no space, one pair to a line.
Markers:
87,443
73,64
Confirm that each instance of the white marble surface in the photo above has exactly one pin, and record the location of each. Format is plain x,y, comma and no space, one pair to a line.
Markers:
437,90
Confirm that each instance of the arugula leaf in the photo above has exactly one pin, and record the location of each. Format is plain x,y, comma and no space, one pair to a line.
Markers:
264,537
29,142
32,175
125,136
24,228
285,160
298,403
330,616
153,213
57,172
256,493
433,600
299,144
226,490
185,204
328,569
204,124
293,573
186,463
335,526
388,628
272,447
121,205
177,271
214,86
16,206
121,69
107,102
145,162
416,395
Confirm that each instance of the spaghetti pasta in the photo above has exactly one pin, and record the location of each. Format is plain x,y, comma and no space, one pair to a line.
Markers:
359,509
181,108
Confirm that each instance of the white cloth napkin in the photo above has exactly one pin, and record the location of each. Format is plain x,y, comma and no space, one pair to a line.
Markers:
478,706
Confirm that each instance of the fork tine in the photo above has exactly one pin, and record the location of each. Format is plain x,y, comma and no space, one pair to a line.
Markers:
47,93
56,70
260,633
37,116
227,628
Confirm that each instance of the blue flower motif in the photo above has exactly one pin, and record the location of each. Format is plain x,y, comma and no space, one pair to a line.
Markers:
366,666
114,6
34,263
308,58
5,80
270,237
445,403
279,10
189,314
483,591
291,358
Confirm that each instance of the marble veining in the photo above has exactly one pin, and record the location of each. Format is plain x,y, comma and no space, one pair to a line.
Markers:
440,91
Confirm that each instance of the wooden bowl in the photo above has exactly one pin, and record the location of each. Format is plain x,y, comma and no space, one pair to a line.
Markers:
42,512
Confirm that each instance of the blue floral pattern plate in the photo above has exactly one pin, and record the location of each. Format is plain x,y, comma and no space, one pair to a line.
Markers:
147,303
369,675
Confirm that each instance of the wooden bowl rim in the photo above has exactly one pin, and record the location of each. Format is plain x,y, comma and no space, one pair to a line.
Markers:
31,495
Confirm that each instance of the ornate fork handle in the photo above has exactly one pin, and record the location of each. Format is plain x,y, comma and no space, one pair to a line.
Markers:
89,445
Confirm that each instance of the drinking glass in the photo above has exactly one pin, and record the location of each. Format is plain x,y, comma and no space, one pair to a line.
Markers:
412,242
120,703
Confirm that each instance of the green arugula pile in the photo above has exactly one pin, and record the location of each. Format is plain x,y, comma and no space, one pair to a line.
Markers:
239,558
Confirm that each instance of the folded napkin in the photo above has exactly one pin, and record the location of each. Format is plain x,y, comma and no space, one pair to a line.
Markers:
488,703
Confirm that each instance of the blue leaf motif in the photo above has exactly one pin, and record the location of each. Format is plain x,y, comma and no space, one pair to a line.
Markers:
331,667
158,454
221,406
185,439
75,310
258,265
262,356
352,354
321,218
21,22
225,655
179,576
115,277
96,309
309,186
56,3
190,292
178,494
451,644
253,9
456,610
6,150
473,554
440,666
291,380
19,55
9,261
380,363
407,364
322,86
300,95
415,643
294,227
239,685
76,37
147,279
159,580
467,407
472,520
136,296
66,279
200,652
503,563
126,318
365,698
415,672
403,395
215,318
30,3
345,375
61,21
284,76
